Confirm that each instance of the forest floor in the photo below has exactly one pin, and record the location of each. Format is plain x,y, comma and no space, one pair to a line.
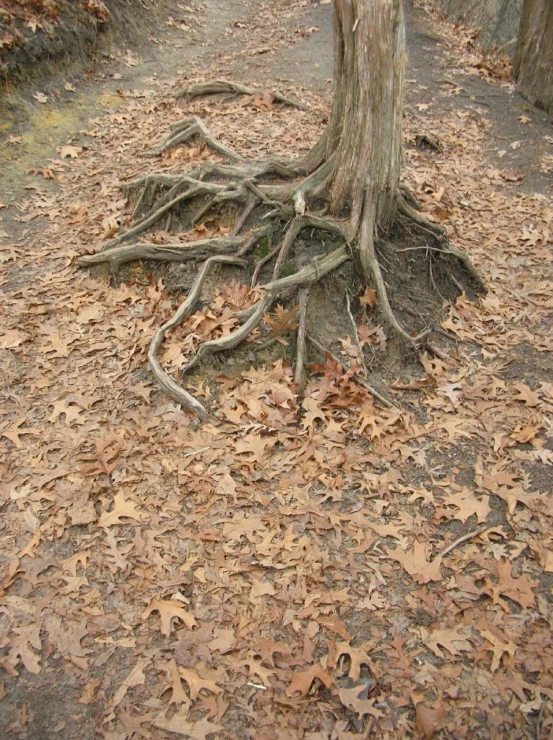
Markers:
317,567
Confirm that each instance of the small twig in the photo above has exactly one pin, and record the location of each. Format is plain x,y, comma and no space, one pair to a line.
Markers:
540,718
262,262
246,213
460,540
437,352
457,284
426,247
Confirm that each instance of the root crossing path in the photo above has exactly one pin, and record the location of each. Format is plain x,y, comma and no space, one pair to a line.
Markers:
350,536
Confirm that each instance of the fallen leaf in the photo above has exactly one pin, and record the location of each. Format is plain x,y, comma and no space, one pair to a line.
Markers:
168,611
416,564
181,725
429,718
122,509
70,151
303,680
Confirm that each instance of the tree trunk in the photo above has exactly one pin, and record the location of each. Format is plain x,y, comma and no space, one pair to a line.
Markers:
497,21
533,62
363,140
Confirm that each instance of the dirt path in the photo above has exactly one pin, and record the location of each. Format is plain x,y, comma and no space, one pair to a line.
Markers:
282,572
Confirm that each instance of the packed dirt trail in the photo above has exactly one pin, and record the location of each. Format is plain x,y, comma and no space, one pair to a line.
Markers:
319,567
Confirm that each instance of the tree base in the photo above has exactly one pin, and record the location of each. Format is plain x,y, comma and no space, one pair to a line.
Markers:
284,237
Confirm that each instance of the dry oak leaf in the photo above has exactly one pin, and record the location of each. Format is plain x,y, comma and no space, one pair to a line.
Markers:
67,635
416,564
70,151
133,724
351,698
69,409
259,590
21,646
526,395
313,412
369,298
135,678
14,432
181,725
468,505
453,639
11,338
516,589
335,625
82,510
223,642
500,646
358,656
169,610
429,719
178,694
202,678
88,692
282,320
91,313
303,680
122,508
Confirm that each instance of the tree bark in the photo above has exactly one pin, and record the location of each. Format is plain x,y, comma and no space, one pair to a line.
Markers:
361,148
497,21
533,62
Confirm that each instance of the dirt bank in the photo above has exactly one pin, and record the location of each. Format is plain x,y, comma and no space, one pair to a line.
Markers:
39,37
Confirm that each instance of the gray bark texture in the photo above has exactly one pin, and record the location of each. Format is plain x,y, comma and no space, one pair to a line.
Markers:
497,20
533,62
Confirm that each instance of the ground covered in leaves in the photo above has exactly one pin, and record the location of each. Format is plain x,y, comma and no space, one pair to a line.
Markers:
317,567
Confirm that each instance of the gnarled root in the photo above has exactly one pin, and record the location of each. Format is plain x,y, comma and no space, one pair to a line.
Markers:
276,209
271,291
185,130
215,87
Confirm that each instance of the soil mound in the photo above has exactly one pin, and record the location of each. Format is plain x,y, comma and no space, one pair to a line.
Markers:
35,35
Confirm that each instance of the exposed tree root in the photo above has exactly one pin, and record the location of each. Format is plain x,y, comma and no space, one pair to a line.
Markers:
173,389
300,377
185,130
215,87
179,252
282,210
348,186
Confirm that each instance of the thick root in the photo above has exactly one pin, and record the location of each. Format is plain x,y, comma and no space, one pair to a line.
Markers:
179,252
173,389
281,208
371,267
187,129
300,377
271,291
215,87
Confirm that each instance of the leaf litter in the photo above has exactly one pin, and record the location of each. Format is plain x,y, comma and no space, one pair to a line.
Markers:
284,570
